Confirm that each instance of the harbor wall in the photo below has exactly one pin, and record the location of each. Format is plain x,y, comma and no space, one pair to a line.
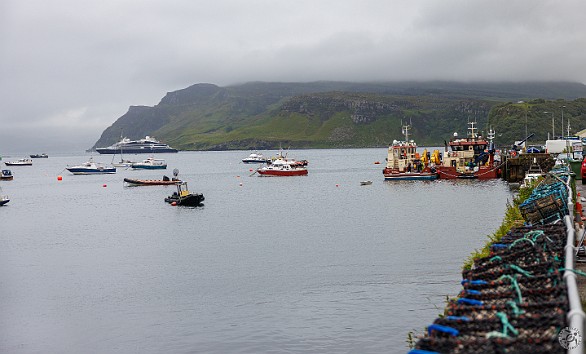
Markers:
514,168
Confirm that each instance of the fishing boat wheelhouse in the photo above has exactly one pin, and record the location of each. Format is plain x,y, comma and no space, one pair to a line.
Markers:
470,157
405,163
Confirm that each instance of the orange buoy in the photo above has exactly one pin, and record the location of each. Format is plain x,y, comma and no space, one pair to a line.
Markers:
59,178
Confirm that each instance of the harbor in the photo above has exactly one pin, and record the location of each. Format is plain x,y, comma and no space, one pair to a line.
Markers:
297,264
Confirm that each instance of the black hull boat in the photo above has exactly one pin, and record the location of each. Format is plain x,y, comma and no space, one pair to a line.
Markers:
152,182
188,200
184,197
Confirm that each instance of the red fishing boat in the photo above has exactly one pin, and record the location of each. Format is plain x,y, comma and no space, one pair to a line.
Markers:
282,167
469,158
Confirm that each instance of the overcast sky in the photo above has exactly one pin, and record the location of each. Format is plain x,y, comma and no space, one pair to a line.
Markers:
70,68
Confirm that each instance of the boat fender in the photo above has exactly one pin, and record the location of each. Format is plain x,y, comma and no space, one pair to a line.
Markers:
458,318
466,301
474,282
445,329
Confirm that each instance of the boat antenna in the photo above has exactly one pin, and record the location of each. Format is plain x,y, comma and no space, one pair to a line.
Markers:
491,133
405,129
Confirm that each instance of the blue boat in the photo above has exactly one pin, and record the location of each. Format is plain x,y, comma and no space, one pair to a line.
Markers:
91,168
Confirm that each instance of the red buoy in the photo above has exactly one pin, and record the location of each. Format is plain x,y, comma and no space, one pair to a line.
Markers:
59,178
104,185
174,203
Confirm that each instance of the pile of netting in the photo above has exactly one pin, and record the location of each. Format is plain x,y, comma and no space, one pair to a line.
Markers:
513,301
548,201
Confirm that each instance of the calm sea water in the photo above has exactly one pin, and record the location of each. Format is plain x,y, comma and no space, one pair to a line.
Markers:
315,264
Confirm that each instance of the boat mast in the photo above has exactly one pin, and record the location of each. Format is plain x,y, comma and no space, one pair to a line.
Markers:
472,130
405,131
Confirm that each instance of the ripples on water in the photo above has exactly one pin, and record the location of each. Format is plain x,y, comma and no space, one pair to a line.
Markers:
315,264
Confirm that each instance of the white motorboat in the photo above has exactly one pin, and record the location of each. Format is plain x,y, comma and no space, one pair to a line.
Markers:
19,162
91,168
150,164
255,157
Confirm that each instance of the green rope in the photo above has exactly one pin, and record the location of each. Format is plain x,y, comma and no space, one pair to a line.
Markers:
506,327
496,334
495,258
534,234
520,270
506,324
515,286
519,240
576,271
516,310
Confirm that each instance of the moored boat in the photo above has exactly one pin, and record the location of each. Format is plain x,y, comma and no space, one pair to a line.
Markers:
19,162
123,163
6,175
152,182
39,156
148,145
184,197
150,164
91,168
3,198
282,167
469,158
533,174
255,157
405,163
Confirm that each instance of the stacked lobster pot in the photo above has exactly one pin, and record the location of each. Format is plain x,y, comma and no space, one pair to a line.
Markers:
547,203
513,301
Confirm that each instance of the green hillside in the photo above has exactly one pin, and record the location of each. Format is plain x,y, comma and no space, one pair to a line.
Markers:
343,115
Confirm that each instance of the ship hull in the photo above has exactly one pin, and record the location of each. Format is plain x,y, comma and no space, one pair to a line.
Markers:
145,150
82,171
279,173
393,174
482,173
410,176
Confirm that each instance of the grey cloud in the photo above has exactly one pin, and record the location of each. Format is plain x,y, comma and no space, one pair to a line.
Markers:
94,59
